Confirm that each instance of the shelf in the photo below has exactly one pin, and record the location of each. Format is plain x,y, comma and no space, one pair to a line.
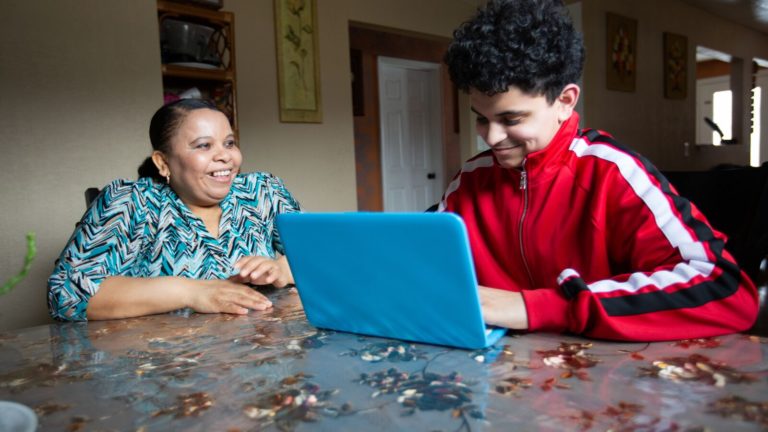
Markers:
218,85
199,73
168,8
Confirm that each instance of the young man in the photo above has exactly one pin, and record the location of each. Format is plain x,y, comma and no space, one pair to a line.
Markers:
569,230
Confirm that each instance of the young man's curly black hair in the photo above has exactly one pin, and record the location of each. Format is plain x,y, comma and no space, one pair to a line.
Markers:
529,44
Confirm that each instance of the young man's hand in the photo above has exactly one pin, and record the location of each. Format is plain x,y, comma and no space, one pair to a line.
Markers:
503,308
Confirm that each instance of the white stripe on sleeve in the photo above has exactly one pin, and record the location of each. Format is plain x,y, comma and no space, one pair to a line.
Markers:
469,166
692,251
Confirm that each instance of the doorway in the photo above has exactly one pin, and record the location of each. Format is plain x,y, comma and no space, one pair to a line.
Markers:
713,101
411,150
414,52
759,139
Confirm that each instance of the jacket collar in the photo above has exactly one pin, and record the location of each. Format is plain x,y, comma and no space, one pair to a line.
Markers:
553,156
544,164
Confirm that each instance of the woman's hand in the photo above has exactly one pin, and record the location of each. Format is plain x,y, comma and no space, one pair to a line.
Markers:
212,296
124,297
503,308
259,270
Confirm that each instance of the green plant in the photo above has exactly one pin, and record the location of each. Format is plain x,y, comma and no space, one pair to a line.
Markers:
31,252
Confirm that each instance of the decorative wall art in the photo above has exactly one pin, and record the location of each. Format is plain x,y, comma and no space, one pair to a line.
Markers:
621,61
675,66
298,67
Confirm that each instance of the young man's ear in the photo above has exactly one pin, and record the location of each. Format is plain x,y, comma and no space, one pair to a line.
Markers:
567,101
162,165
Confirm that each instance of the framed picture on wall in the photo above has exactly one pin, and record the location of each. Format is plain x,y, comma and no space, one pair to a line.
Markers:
675,66
298,67
621,52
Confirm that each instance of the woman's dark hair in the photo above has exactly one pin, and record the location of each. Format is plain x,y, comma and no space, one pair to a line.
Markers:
164,125
529,44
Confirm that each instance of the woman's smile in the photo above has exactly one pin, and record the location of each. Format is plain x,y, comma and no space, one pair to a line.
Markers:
222,176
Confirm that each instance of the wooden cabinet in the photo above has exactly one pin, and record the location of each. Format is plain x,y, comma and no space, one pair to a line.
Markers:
198,52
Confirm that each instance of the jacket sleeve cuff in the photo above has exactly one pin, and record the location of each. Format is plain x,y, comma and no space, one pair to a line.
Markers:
547,310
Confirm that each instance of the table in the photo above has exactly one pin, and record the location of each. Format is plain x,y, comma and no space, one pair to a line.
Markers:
273,371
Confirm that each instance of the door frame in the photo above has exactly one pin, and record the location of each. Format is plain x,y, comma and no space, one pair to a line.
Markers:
367,42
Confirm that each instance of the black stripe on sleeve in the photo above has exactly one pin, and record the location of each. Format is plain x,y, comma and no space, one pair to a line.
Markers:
723,286
634,304
572,286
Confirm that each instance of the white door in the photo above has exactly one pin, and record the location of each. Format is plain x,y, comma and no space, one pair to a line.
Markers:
411,137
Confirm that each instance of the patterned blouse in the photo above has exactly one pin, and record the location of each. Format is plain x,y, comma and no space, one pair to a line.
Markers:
143,229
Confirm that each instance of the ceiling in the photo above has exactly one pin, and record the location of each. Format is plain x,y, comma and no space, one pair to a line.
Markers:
749,13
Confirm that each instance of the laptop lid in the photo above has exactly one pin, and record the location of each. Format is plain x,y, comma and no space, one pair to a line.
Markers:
406,276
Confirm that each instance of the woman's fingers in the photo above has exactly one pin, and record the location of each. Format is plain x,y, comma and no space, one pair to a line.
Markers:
285,276
253,269
233,309
229,297
251,299
258,270
249,264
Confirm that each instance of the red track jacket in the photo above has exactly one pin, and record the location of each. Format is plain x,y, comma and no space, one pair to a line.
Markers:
599,243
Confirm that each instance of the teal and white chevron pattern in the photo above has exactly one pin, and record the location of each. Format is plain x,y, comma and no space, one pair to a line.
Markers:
142,229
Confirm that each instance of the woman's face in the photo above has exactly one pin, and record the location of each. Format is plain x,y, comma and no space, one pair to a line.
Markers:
204,158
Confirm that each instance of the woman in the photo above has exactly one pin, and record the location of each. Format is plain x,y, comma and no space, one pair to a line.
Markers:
191,232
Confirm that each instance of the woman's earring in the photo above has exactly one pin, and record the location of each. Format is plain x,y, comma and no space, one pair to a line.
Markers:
168,178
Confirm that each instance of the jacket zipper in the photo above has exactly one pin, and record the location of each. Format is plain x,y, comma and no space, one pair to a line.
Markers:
524,188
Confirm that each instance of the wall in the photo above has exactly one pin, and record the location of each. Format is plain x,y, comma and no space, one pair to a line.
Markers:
78,82
644,120
80,79
317,161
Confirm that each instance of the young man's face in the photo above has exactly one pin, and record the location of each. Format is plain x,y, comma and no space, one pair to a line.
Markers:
514,124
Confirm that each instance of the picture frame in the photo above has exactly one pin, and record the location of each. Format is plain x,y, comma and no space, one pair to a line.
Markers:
298,66
675,66
621,52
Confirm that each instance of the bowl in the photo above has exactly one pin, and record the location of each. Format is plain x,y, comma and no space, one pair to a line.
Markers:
182,41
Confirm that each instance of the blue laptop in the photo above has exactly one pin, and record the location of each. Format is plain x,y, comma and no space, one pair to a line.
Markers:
406,276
